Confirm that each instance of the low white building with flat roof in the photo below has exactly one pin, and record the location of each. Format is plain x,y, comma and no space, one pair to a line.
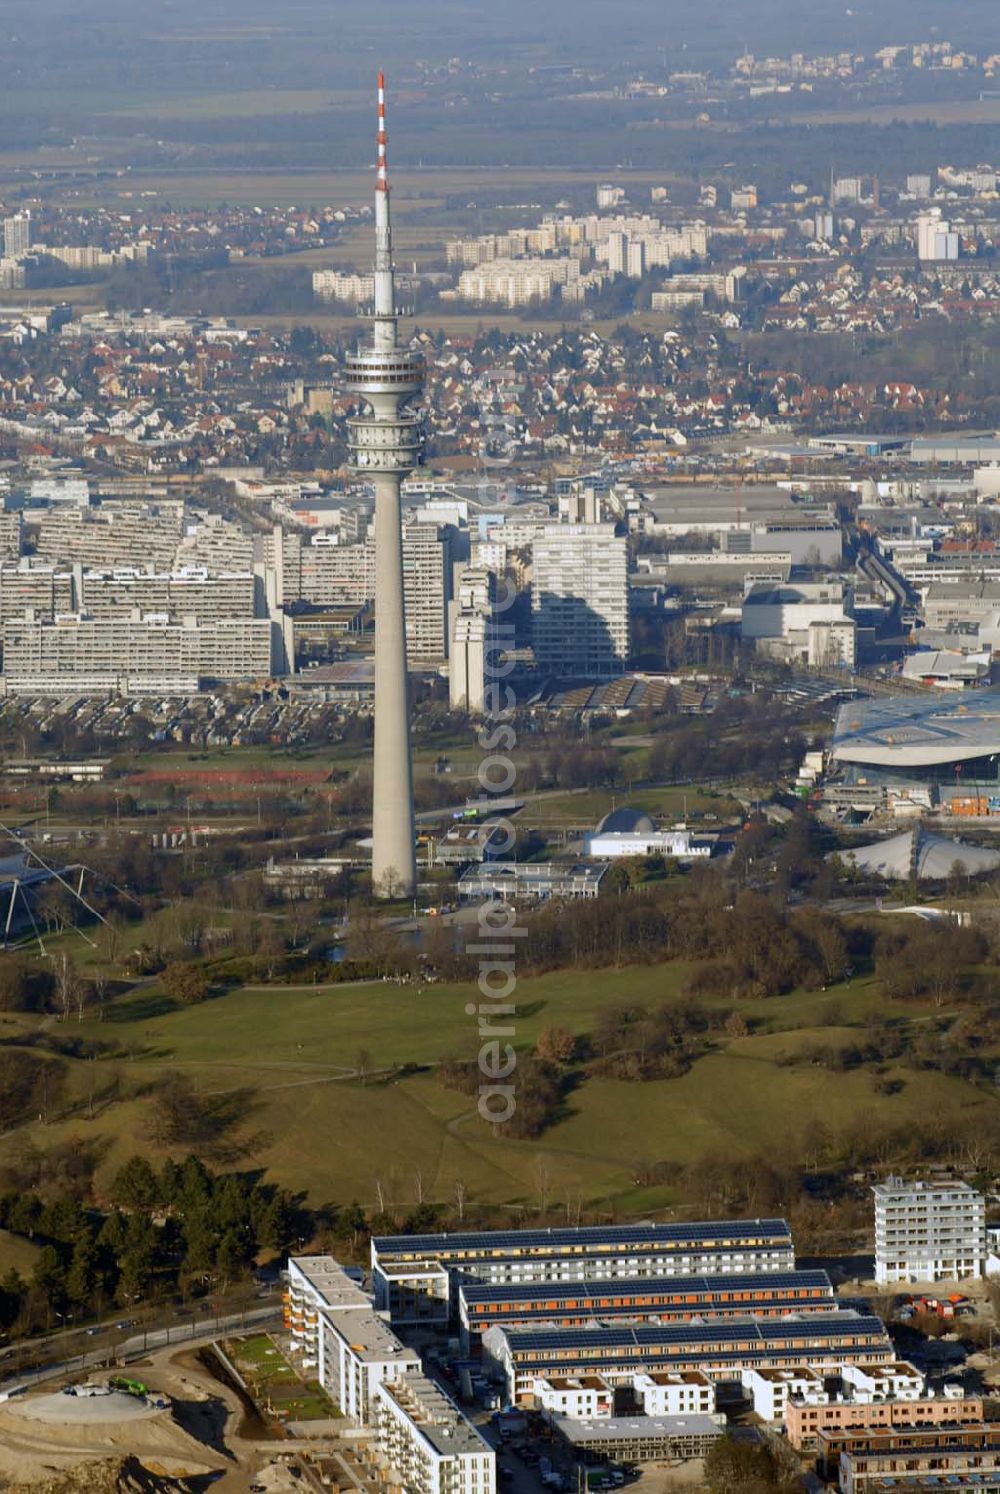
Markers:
582,1397
887,1382
641,1439
772,1389
928,1231
675,1393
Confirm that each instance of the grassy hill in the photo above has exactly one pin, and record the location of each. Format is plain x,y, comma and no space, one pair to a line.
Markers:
315,1126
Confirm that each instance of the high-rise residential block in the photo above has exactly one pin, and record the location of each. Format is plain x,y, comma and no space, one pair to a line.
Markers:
579,600
928,1231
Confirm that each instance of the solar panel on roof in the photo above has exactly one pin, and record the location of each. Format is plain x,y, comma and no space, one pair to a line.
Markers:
771,1281
836,1325
718,1229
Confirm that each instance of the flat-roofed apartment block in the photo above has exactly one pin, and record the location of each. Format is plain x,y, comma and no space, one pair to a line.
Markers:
675,1393
773,1391
426,1445
928,1231
805,1419
597,1253
40,586
135,654
938,1458
722,1349
940,1439
415,1294
336,1330
191,592
216,542
317,1283
579,600
113,534
572,1304
11,532
579,1396
770,1389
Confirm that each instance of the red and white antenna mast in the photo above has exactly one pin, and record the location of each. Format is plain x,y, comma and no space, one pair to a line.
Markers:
385,291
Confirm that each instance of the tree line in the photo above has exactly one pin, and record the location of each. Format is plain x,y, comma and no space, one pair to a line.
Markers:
177,1229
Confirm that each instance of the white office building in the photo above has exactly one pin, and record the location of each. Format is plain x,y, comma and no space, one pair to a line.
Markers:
928,1231
629,832
579,600
782,621
425,1445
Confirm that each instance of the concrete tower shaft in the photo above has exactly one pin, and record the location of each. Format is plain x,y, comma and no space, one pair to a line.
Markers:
386,444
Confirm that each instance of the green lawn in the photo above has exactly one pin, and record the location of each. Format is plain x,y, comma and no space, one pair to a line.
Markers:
317,1129
275,1384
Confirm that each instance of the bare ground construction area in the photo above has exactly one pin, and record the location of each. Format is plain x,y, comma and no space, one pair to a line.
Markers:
119,1443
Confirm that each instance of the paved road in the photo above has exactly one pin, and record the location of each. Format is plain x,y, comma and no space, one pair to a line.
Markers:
201,1331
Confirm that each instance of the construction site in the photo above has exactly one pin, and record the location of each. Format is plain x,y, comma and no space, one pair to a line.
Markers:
179,1422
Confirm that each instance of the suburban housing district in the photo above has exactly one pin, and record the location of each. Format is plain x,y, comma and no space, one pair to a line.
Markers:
638,1344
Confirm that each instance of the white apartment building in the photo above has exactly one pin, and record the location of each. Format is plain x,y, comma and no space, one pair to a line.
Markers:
29,584
471,633
580,1397
928,1231
467,664
11,533
609,196
886,1382
134,654
427,573
336,1333
675,1393
17,235
772,1389
13,275
936,240
579,600
425,1445
832,644
191,592
113,534
317,1283
325,573
517,282
333,285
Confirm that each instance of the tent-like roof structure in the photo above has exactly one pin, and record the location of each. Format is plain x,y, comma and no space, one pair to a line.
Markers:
921,854
918,731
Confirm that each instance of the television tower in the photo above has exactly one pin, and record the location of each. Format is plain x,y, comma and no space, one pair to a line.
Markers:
386,444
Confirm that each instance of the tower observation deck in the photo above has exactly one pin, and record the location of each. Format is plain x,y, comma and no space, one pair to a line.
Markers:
386,443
